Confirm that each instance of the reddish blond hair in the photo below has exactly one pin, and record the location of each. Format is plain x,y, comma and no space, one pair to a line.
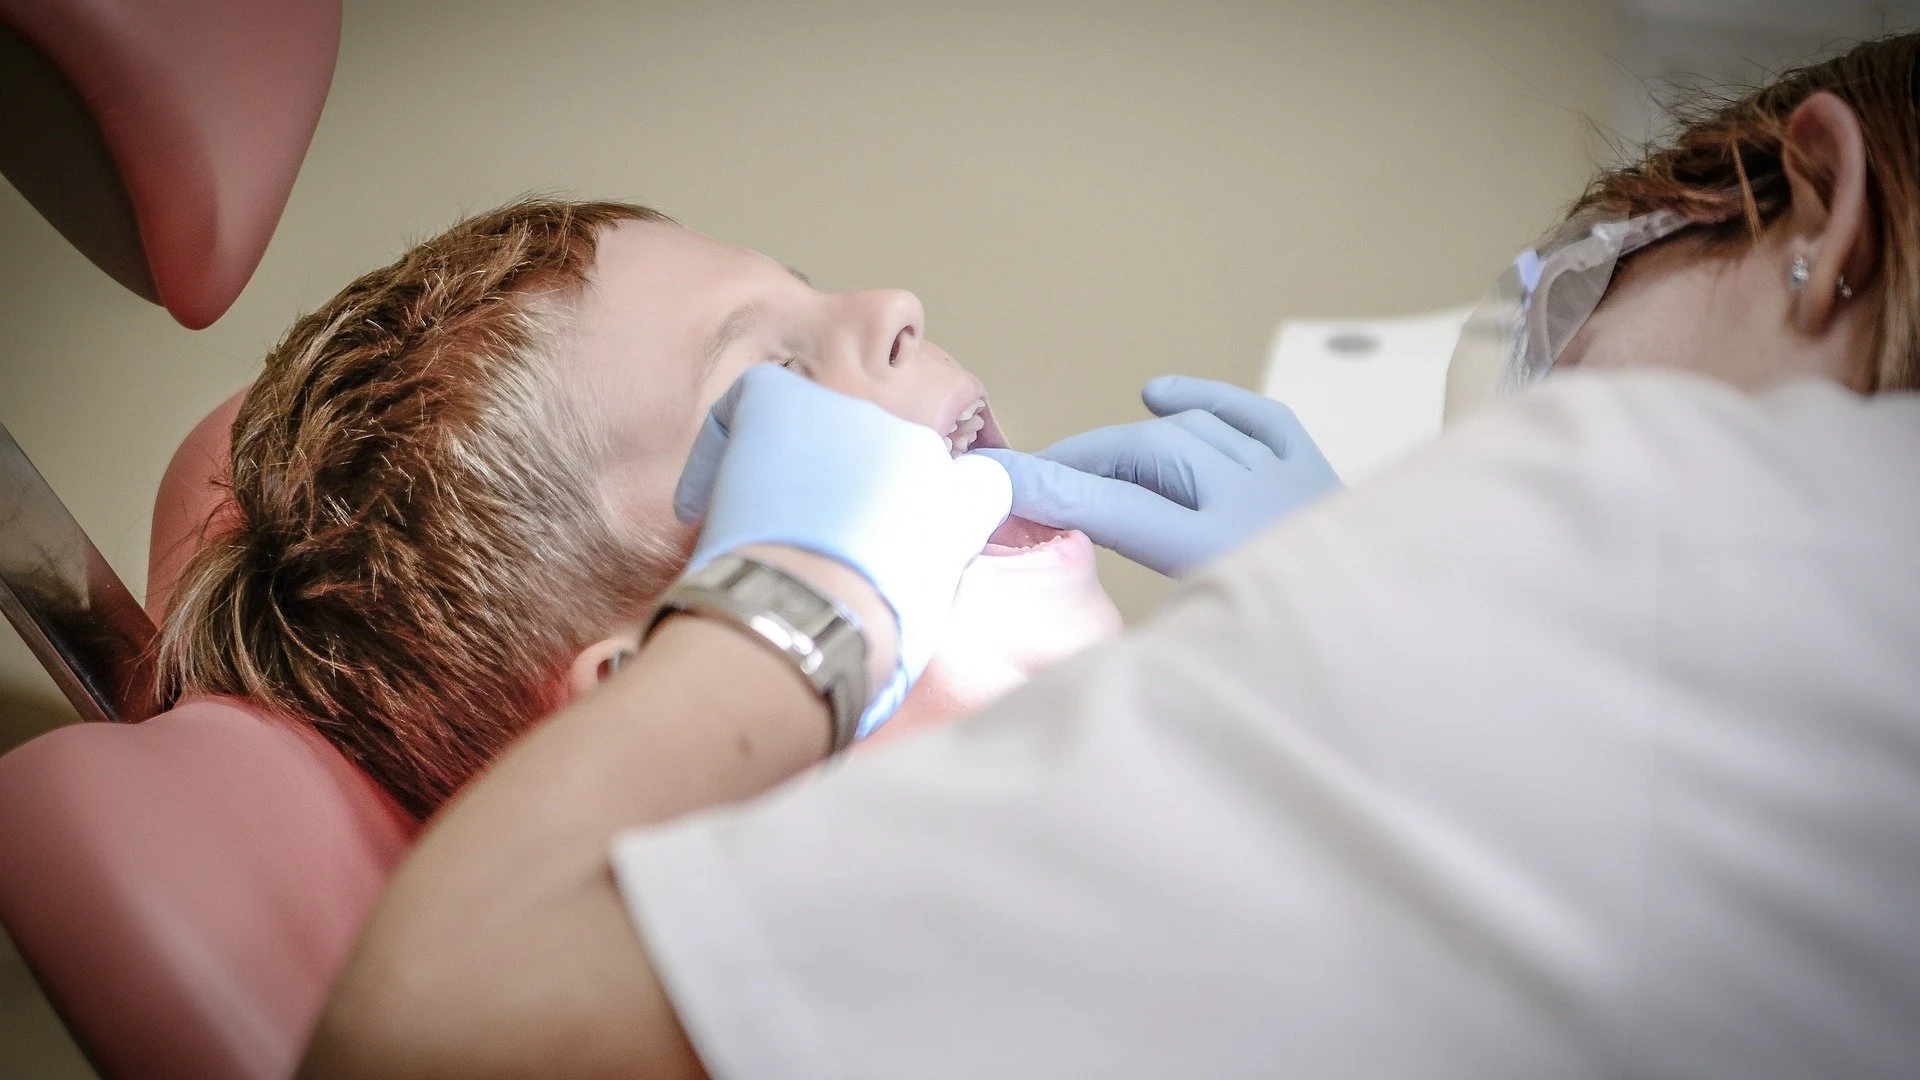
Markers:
1727,167
419,546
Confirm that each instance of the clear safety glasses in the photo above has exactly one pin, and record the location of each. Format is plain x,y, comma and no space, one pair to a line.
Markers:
1517,333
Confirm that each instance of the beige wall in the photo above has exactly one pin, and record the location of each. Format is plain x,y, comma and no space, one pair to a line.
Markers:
1084,196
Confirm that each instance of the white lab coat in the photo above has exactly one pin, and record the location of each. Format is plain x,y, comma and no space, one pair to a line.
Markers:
1585,744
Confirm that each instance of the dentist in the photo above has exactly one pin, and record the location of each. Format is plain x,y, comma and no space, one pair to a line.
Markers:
1586,743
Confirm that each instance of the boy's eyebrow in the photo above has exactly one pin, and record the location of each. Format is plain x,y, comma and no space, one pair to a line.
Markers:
735,324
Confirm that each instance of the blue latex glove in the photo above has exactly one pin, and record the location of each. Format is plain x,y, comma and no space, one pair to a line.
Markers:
781,460
1218,466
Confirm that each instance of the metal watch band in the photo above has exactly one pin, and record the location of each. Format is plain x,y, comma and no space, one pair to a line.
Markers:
822,639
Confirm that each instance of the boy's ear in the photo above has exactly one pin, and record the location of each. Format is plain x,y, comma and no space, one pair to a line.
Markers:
597,662
1832,217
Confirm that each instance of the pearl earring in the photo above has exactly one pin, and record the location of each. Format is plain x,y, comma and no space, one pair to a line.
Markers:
1843,290
1799,272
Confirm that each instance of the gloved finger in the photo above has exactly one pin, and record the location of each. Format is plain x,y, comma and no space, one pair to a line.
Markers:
1255,414
1161,457
1236,445
984,492
1125,517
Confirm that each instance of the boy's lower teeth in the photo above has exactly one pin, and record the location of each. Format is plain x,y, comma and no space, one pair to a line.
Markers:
1021,534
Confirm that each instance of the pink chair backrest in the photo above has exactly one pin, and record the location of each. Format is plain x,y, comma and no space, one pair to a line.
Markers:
187,888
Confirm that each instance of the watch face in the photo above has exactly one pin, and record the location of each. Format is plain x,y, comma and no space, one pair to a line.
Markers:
792,602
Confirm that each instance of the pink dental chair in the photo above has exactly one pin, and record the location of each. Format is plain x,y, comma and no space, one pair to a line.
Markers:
185,887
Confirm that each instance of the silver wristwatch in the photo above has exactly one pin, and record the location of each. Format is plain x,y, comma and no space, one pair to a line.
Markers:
799,622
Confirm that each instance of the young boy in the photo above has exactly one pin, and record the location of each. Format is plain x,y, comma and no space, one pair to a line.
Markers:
452,486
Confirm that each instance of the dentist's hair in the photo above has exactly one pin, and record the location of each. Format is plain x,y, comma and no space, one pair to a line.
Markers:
417,544
1727,165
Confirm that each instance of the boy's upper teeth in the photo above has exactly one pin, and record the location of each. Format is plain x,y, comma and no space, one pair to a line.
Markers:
967,428
972,411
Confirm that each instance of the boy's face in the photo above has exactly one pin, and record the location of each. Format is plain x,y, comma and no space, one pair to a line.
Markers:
672,317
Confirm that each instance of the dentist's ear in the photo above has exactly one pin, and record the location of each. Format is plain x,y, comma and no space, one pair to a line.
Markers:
597,662
1832,220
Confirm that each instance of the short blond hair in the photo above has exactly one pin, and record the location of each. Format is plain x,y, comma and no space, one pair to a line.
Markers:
419,545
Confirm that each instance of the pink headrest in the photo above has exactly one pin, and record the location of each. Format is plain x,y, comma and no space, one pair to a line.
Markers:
190,117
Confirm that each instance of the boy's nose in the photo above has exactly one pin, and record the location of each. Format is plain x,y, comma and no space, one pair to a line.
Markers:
889,328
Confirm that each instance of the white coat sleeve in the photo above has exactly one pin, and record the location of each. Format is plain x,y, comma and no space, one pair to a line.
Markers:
1388,793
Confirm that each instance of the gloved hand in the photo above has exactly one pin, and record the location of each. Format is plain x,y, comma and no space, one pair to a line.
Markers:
1219,465
781,460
